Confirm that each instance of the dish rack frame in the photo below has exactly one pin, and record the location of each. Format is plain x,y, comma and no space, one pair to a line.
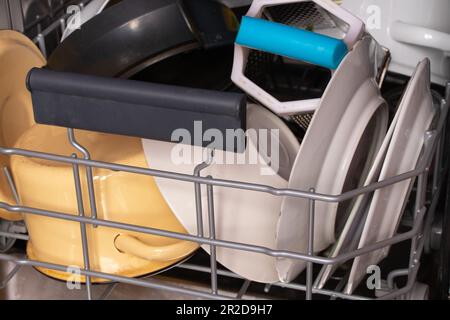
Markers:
430,167
432,163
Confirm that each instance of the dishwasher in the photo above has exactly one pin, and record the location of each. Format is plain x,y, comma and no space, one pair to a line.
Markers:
79,221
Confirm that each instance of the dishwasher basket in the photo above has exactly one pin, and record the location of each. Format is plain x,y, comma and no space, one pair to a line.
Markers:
431,165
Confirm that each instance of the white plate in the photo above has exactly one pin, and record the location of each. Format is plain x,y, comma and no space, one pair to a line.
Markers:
416,116
349,104
241,216
87,13
351,232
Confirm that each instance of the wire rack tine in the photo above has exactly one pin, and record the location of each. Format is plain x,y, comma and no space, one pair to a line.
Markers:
89,174
198,191
310,265
84,238
11,184
243,290
151,284
108,291
9,276
212,236
223,243
13,235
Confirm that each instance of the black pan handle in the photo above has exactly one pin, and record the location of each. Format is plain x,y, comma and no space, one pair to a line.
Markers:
133,108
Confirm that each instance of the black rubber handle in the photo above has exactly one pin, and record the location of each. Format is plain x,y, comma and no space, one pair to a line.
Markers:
132,108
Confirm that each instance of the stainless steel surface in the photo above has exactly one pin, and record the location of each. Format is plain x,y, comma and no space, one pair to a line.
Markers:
28,283
11,16
235,3
5,20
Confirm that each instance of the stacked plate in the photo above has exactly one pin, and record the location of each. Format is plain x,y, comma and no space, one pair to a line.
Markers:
346,147
342,141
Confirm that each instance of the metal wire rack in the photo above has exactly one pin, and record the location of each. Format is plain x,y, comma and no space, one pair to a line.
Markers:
431,166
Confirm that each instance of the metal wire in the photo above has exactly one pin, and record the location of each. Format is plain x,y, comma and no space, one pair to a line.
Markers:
310,265
212,236
84,239
89,174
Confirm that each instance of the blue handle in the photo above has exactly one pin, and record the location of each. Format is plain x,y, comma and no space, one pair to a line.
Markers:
291,42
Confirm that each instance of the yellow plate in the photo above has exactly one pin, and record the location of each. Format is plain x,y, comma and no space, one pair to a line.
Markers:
17,56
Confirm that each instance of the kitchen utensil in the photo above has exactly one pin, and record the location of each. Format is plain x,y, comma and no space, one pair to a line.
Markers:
291,42
323,17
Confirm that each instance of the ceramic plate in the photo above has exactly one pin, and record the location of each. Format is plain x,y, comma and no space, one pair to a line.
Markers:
416,116
241,216
351,231
351,108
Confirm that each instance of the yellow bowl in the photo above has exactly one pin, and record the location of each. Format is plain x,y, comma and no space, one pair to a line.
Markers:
121,197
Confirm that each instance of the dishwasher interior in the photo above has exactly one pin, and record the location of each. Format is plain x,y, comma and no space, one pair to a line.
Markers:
416,267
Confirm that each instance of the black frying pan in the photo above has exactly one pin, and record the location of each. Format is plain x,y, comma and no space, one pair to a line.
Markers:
188,41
